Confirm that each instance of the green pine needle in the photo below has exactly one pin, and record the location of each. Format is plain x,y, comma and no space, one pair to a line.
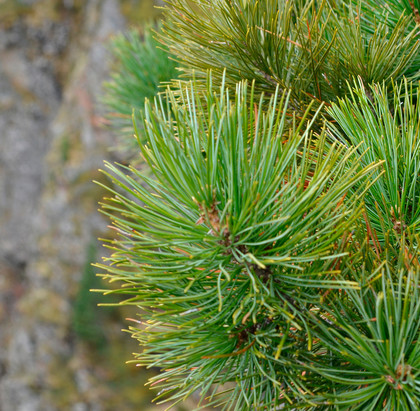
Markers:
228,247
141,65
388,130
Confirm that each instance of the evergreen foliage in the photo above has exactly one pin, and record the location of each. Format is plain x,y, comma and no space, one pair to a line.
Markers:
274,253
311,47
141,65
387,130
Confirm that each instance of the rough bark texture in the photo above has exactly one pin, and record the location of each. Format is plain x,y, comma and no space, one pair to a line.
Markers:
53,60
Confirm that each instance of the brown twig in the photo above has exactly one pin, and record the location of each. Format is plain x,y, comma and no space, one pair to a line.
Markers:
416,12
233,354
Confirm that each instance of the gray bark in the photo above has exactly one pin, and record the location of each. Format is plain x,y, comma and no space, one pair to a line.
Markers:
52,143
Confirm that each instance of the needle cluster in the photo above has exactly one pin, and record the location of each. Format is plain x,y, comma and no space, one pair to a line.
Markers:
272,246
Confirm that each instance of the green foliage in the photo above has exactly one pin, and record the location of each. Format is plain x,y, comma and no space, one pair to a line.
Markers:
310,47
220,270
372,334
142,64
387,130
389,12
274,253
385,54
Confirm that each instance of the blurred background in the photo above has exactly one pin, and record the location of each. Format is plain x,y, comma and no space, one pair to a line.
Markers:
58,349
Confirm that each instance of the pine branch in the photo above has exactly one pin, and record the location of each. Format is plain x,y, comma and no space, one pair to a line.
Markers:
388,128
373,359
310,47
142,64
232,243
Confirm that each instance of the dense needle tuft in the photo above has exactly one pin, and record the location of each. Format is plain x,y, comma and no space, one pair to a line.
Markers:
272,245
232,243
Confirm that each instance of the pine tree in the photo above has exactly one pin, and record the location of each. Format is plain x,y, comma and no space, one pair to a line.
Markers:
273,253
